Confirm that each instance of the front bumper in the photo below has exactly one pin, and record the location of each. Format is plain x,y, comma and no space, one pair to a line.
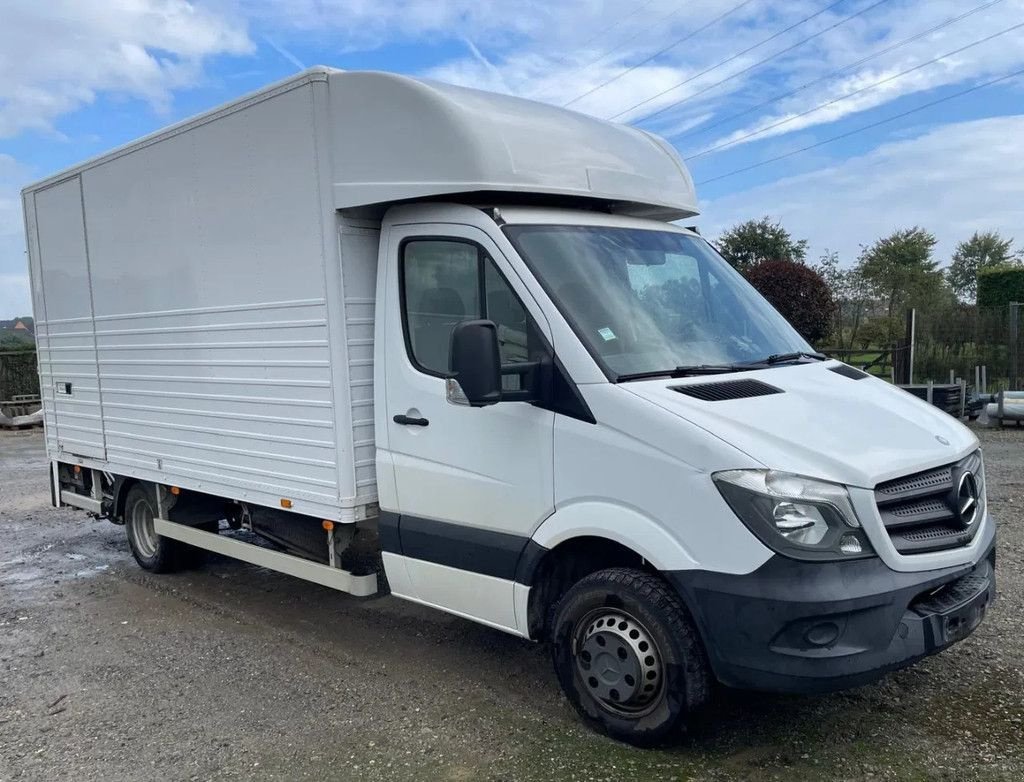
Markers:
793,626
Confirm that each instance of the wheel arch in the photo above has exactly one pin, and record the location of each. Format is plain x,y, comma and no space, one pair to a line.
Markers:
120,488
583,538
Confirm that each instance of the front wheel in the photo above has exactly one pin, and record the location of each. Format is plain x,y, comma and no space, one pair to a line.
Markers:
628,656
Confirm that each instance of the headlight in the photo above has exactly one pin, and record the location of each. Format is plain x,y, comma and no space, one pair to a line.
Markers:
796,516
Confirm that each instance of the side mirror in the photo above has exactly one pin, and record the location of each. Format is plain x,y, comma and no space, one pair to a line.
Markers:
475,361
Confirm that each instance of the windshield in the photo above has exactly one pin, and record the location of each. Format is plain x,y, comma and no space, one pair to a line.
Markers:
652,301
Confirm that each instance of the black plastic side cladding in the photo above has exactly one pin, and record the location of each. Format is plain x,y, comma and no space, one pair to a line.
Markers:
565,396
387,532
529,561
474,550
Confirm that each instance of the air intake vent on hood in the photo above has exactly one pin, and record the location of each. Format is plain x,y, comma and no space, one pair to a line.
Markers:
730,389
848,371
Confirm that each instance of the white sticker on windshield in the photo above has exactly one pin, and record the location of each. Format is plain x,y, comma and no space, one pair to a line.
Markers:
606,334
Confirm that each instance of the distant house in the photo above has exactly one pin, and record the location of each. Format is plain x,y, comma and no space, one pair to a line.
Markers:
19,328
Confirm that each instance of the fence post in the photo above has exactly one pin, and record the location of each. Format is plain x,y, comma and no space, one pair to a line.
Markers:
1014,345
906,375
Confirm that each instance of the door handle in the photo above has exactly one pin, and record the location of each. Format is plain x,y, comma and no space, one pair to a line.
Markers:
409,421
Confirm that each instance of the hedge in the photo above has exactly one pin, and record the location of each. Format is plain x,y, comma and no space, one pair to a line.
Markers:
999,286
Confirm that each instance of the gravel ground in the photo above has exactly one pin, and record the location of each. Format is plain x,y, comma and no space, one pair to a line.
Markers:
234,672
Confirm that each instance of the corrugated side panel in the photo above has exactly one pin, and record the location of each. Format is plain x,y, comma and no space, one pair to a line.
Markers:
359,249
211,317
238,396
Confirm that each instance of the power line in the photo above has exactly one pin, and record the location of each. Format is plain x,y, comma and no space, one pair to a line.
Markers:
872,125
621,45
749,68
894,77
838,71
629,15
660,52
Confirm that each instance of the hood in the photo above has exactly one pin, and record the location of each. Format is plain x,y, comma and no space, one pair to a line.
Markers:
823,424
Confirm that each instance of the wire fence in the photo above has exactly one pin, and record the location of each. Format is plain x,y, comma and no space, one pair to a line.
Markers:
982,346
970,343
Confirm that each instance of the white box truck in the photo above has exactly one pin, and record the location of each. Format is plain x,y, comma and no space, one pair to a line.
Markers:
449,344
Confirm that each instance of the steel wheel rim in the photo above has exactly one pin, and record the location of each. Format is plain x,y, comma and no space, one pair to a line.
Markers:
618,662
143,531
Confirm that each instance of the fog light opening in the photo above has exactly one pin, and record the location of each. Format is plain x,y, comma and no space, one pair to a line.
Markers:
822,634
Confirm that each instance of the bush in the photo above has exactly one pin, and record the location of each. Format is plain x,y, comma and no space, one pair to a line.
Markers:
879,331
1000,286
798,292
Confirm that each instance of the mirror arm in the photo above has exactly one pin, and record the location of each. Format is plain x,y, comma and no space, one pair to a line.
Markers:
519,368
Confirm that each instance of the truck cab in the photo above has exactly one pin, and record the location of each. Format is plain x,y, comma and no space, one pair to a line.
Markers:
633,406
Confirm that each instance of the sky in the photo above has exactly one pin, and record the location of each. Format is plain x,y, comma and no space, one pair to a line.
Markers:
844,120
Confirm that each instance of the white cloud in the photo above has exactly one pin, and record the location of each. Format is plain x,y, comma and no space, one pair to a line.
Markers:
55,56
575,53
1001,54
554,51
14,291
359,25
952,180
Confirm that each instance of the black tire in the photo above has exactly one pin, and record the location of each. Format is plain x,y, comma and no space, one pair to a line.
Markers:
153,552
664,675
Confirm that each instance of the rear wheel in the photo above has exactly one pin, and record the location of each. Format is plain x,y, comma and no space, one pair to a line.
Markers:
153,552
628,656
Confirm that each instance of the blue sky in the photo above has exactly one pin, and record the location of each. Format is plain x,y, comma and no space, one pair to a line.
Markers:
78,77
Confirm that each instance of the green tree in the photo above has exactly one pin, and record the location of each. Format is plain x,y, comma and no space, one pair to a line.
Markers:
901,273
748,244
984,250
11,340
851,298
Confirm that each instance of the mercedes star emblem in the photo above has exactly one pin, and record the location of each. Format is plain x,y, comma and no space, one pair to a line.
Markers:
967,499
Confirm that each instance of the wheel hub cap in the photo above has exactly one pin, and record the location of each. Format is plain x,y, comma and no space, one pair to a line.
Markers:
618,661
143,528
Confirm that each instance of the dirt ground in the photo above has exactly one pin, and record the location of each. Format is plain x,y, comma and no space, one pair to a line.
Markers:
234,672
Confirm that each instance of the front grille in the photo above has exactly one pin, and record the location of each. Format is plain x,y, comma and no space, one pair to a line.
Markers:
920,483
920,511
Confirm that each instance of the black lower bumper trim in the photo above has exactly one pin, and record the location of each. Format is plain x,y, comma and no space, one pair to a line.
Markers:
808,627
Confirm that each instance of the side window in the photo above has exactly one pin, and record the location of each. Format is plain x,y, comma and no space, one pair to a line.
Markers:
441,284
445,282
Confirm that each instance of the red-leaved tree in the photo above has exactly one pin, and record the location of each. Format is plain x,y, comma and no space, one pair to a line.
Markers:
798,292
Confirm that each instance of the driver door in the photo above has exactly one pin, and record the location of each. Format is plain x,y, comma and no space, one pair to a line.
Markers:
470,483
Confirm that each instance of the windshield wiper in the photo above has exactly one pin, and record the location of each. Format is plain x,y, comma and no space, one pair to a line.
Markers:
689,371
783,358
721,369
